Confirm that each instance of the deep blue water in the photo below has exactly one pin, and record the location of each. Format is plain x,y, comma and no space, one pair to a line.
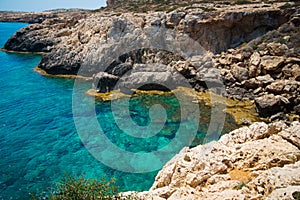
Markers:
38,137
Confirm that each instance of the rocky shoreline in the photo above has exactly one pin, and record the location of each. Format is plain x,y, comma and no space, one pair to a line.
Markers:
252,50
263,66
256,162
266,70
38,17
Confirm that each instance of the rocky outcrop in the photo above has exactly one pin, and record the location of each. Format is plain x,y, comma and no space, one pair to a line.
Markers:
268,105
104,82
71,39
266,70
111,2
146,69
256,162
37,17
44,37
265,66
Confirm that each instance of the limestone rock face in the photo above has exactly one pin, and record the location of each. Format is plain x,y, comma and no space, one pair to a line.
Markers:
256,162
38,17
49,29
107,41
267,72
70,38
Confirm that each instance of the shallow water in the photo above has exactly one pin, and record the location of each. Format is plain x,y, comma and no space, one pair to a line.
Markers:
38,137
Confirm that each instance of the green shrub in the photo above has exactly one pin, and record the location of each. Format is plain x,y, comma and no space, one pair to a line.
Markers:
296,195
256,47
240,186
282,41
79,188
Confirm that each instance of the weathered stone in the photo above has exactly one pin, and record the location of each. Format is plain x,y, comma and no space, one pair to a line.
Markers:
276,87
277,49
287,71
268,105
255,59
291,86
151,77
267,79
278,116
236,58
246,51
297,109
271,63
223,61
214,31
156,22
229,78
258,90
251,83
254,71
286,193
296,72
121,69
104,82
176,17
240,73
293,60
256,162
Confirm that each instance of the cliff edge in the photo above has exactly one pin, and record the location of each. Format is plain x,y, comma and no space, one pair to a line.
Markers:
256,162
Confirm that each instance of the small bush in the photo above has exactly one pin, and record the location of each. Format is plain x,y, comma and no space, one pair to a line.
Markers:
73,188
240,186
296,195
282,41
256,47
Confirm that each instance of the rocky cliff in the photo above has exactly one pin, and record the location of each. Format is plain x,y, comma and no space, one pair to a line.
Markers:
38,17
252,49
89,39
267,70
256,162
215,31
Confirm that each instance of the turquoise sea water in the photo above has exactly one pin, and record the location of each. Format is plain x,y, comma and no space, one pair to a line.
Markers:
38,137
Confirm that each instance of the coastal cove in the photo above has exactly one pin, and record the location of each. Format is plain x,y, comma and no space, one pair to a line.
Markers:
169,99
39,141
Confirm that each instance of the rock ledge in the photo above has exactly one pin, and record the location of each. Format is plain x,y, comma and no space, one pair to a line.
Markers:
256,162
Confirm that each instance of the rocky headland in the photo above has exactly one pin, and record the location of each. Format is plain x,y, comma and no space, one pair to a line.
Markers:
39,17
252,49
